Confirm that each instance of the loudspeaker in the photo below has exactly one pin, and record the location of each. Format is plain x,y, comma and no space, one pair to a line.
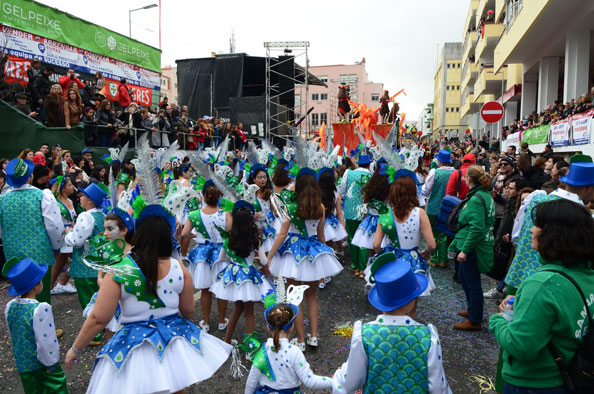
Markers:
286,83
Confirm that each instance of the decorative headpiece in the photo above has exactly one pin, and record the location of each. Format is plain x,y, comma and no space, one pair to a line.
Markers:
115,155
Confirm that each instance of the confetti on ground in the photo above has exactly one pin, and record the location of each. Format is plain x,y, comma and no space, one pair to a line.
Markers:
485,384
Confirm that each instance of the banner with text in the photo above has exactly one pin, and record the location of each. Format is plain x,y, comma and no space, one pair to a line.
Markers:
15,70
513,138
581,125
29,46
560,133
52,23
536,135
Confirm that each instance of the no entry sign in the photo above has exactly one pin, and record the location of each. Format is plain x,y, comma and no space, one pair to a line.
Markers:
492,112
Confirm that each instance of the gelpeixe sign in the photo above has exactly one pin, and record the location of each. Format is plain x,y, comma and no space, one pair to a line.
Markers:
49,22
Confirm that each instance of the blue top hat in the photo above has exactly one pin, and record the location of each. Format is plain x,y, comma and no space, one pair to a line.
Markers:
95,194
364,160
395,283
580,174
18,172
444,156
23,275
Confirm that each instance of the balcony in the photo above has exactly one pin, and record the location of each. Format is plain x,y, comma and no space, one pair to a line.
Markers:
469,44
468,74
471,15
489,82
489,39
500,6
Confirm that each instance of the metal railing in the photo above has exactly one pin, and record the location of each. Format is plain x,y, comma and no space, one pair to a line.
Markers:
513,8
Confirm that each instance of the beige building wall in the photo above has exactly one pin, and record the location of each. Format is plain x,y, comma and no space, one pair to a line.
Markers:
447,92
169,84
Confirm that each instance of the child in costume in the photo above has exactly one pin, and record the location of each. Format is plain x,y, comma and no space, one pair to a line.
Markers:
259,176
334,227
204,257
278,366
375,193
155,293
88,227
394,353
299,252
240,282
32,330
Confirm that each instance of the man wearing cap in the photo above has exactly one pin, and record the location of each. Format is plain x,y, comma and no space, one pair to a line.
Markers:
350,192
393,353
21,105
88,225
434,190
87,155
579,188
30,220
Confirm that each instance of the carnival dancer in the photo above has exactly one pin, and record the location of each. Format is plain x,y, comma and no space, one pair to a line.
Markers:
399,229
31,328
434,190
343,102
350,192
62,187
240,282
384,109
30,221
281,180
155,293
299,253
375,194
280,367
380,349
204,257
259,176
88,226
334,228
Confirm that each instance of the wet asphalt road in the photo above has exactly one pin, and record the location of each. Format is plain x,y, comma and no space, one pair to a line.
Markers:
470,359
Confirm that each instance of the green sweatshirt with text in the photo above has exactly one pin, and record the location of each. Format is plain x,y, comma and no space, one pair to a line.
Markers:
547,308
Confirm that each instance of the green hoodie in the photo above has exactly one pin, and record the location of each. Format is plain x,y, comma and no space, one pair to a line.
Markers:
547,308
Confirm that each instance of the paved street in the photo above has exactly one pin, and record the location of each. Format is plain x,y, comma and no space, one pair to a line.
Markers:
470,359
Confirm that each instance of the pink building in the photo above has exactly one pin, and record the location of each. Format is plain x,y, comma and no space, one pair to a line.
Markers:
324,99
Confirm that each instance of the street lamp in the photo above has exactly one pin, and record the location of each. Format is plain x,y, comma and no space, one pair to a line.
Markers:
146,7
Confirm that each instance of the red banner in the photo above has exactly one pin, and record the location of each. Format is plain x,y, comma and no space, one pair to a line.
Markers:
344,133
140,95
15,70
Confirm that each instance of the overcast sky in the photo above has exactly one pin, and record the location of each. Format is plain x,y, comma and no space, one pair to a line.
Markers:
398,38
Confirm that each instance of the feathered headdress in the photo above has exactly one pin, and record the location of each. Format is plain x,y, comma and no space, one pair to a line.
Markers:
116,155
398,164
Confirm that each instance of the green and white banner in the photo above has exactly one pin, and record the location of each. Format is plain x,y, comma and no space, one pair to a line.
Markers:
49,22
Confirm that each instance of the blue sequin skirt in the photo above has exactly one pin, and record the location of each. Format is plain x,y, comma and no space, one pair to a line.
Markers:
365,234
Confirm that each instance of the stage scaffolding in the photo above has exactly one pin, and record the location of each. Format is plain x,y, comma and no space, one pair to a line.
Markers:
277,114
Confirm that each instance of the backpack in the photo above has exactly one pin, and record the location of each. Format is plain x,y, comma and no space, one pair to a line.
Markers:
578,374
455,214
448,204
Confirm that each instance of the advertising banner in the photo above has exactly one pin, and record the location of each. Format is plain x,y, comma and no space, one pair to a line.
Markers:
25,45
56,25
581,124
560,133
536,135
513,138
15,70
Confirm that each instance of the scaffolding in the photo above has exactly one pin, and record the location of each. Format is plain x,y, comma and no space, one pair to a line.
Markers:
277,114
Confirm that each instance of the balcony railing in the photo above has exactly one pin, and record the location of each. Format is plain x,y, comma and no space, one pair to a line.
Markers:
513,8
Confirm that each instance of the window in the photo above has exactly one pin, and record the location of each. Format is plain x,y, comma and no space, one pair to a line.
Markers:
457,109
447,87
315,96
297,100
447,109
315,118
449,65
323,96
323,118
323,78
374,96
175,84
348,78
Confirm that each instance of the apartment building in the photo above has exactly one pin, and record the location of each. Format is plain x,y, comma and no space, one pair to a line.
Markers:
446,101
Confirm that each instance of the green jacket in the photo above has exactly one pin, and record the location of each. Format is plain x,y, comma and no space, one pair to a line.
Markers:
475,228
547,308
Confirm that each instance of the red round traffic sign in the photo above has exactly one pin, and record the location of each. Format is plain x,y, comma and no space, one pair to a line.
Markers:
492,112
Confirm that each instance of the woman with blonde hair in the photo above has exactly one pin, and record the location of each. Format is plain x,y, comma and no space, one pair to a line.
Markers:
72,108
473,244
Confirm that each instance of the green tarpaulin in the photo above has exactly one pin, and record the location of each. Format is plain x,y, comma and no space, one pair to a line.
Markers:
536,135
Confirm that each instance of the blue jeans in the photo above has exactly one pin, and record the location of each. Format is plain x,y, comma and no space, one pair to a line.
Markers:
511,389
470,279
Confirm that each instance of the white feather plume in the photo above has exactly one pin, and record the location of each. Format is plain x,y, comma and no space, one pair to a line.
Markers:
148,179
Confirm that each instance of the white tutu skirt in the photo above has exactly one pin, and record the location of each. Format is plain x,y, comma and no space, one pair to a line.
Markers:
304,259
333,229
182,365
237,283
267,243
203,276
114,324
365,233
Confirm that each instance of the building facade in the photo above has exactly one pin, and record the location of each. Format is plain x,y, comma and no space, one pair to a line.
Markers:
426,120
446,101
324,99
169,84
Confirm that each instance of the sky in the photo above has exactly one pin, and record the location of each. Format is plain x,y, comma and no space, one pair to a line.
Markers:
398,38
